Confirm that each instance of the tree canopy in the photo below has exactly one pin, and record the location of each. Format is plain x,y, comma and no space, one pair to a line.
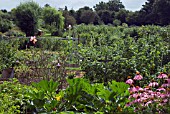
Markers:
5,22
53,19
27,16
155,12
112,5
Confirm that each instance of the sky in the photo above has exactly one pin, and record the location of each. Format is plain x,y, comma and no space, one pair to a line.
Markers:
132,5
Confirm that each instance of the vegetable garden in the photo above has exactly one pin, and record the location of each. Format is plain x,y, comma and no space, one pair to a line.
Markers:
105,70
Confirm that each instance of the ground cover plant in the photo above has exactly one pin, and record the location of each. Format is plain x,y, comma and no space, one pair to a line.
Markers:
13,97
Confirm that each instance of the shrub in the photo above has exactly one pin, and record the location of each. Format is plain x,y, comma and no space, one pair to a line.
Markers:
8,48
13,97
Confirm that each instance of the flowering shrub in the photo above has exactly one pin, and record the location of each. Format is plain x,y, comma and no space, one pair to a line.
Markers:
153,97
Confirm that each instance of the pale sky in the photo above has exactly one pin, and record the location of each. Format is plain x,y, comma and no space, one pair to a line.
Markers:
132,5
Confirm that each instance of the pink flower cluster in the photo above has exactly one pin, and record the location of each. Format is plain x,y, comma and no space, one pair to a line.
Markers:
152,93
137,77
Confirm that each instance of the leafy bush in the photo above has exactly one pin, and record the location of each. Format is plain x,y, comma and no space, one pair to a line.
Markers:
7,52
52,44
82,96
5,25
13,97
43,98
14,33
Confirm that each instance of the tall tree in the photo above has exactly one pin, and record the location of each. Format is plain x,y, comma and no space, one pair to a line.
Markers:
72,12
122,15
53,19
69,19
112,5
162,8
105,16
155,12
88,17
132,18
146,15
27,16
5,22
79,13
101,6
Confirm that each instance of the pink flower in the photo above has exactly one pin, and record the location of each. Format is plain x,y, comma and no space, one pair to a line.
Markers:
162,75
147,88
133,89
129,104
136,95
165,85
165,100
145,96
129,81
148,103
139,89
153,84
162,95
138,77
161,89
167,81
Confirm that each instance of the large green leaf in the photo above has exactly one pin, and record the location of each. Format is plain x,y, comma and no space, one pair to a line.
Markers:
118,87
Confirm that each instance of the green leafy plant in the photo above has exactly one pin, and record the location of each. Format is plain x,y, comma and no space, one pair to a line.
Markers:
13,97
8,49
85,97
44,98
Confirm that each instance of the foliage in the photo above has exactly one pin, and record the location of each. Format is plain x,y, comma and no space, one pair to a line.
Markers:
14,33
111,5
69,20
85,97
36,64
27,16
155,12
7,52
52,44
53,19
122,15
43,97
80,96
105,16
5,23
13,97
80,11
107,54
111,52
116,22
88,17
